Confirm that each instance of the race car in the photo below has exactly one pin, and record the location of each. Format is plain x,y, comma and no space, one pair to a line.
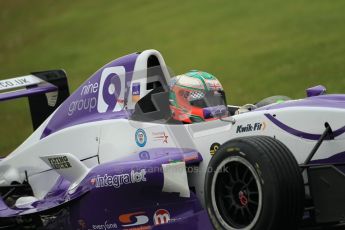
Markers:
116,154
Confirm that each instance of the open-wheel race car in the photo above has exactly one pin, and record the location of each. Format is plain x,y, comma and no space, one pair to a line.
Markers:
135,147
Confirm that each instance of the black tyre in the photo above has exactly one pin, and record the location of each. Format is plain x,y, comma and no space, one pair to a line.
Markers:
254,183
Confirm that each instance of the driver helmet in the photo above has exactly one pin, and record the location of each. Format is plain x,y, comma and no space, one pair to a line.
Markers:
197,96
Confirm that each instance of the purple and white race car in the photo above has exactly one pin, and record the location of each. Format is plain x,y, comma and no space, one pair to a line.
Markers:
109,156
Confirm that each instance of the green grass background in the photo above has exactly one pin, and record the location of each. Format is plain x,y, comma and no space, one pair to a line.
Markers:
256,48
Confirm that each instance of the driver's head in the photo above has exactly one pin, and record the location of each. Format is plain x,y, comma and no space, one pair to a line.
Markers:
197,96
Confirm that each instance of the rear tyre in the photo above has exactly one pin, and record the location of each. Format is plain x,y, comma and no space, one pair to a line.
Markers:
254,183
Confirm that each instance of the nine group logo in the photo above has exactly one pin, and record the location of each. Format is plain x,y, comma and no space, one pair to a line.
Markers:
140,137
112,88
161,216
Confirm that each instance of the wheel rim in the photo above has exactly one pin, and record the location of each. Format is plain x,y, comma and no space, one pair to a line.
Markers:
236,194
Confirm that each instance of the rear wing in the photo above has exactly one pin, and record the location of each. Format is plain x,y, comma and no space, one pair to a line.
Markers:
45,90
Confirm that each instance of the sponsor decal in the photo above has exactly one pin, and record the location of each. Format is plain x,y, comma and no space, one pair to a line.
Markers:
17,82
258,126
59,162
118,180
190,157
135,92
111,93
133,219
213,84
103,96
214,147
146,227
87,101
140,137
160,136
161,216
144,155
105,226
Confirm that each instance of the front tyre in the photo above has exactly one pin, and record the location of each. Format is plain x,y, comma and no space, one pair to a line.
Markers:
254,183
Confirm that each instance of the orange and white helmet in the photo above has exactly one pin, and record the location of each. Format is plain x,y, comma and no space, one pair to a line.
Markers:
197,96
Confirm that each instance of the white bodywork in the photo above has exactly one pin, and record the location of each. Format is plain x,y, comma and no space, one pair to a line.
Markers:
108,140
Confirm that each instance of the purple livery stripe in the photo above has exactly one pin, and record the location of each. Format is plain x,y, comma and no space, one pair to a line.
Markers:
301,134
44,88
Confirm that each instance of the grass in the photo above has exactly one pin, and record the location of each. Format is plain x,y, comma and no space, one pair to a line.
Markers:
256,48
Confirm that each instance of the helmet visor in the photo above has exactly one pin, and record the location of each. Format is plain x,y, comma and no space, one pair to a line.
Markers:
209,99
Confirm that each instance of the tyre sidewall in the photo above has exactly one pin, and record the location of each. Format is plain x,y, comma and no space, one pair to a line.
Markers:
261,166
